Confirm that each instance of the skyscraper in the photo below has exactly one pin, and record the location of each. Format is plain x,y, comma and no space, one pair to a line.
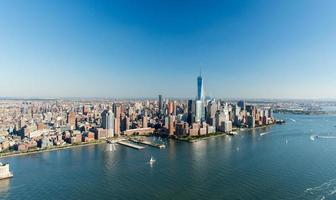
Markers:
117,108
144,120
199,111
200,92
108,122
241,104
160,104
171,107
191,113
71,119
171,127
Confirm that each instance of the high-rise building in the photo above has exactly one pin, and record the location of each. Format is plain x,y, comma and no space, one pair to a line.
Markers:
85,110
144,120
171,122
117,112
241,104
226,126
171,107
270,113
71,118
220,117
200,91
191,113
251,109
251,121
199,109
174,107
212,109
117,126
160,105
108,122
124,123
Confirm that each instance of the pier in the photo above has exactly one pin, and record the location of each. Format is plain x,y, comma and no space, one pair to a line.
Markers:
160,146
134,146
112,141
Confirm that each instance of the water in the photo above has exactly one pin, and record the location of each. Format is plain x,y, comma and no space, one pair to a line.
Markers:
282,164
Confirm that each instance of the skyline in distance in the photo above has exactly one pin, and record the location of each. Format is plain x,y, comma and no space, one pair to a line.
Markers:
123,49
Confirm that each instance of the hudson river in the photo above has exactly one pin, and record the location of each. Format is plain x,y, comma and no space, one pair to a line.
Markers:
280,162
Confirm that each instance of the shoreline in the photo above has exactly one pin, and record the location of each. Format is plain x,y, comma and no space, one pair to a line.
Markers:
219,134
189,140
12,154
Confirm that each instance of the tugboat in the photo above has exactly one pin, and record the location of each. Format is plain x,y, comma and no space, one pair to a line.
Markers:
4,171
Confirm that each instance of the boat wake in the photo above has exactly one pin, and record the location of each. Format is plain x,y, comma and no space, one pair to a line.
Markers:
325,191
314,137
327,137
261,134
293,120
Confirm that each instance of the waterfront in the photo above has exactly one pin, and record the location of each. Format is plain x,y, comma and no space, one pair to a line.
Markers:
284,163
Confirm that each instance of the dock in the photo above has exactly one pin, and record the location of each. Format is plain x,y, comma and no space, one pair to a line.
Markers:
113,141
134,146
160,146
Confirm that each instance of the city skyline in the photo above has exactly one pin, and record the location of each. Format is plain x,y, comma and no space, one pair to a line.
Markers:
168,99
110,49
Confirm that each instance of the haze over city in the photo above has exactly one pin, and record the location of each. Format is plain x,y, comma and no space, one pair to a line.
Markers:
121,49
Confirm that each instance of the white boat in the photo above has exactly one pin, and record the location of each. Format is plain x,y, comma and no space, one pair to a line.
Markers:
232,133
4,171
152,160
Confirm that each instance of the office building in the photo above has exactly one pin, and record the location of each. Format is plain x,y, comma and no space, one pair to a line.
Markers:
108,122
199,109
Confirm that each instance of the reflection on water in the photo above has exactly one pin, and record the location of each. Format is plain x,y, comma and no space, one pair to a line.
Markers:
4,186
110,147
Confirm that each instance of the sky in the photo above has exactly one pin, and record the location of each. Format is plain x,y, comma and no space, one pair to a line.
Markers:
130,48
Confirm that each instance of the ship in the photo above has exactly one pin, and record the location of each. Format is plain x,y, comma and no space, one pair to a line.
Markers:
4,171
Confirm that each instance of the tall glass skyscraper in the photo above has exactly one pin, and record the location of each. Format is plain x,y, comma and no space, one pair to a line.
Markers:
200,87
200,109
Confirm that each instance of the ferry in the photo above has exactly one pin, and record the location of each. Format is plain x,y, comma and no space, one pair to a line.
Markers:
4,171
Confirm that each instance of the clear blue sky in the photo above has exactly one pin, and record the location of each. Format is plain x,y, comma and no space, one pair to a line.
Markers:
247,49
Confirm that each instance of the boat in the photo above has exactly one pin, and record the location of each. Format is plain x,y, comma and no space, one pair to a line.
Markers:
152,160
232,133
4,171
